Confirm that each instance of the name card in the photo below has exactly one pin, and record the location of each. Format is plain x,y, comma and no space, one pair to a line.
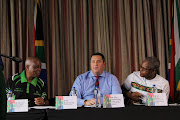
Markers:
156,99
20,105
113,101
10,105
66,102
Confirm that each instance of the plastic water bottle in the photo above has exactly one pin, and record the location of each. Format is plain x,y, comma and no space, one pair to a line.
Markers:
10,95
97,96
73,92
154,89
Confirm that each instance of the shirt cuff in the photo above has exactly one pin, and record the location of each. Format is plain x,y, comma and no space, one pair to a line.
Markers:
81,101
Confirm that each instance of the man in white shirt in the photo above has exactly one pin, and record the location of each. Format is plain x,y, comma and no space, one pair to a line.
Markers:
139,83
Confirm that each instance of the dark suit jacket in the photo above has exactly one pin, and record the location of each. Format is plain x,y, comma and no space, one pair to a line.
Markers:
3,98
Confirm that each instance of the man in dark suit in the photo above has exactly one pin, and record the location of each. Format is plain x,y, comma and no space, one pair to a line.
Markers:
3,99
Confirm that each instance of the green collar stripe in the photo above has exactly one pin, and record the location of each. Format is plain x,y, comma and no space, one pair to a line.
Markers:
34,81
18,76
27,90
23,79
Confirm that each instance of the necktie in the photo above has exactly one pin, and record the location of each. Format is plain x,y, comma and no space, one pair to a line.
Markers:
97,82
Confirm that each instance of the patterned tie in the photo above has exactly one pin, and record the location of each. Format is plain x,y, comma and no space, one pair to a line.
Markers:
97,81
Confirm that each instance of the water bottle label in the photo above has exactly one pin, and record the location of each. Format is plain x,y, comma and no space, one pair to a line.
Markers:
73,92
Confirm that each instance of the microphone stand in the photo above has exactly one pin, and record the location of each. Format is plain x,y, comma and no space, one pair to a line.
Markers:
15,59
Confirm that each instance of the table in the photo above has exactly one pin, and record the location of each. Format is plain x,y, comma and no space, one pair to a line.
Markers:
129,112
33,114
82,113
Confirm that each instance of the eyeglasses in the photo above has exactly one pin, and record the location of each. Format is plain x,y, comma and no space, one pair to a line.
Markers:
144,69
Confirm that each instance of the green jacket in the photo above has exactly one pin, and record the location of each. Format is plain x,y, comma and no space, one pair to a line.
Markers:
23,89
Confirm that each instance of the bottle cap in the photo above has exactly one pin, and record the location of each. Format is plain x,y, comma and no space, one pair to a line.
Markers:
97,87
10,90
154,85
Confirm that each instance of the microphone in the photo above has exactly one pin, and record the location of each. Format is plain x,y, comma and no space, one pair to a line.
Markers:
16,59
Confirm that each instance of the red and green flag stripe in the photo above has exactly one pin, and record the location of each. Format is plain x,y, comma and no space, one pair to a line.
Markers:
39,50
174,53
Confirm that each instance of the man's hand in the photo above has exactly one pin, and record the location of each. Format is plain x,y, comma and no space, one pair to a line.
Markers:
39,101
135,96
89,102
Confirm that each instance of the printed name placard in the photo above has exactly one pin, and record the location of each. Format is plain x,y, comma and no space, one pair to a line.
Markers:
113,101
20,105
156,99
66,102
10,105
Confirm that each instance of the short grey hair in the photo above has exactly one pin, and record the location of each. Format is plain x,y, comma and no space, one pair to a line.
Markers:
154,63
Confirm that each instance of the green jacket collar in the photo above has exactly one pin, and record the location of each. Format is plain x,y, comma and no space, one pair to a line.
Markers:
23,79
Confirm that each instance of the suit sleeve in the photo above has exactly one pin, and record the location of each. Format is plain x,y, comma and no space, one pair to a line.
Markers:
1,64
3,98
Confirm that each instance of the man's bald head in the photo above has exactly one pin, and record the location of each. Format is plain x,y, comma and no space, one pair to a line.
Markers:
33,67
31,60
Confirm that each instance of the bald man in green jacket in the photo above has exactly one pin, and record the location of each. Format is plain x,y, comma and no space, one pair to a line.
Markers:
3,98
